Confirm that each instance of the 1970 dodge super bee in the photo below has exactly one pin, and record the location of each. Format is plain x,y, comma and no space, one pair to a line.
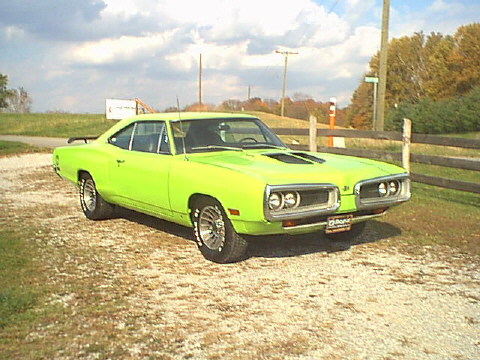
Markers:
227,176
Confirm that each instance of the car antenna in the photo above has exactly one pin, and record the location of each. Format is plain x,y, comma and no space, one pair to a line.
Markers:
181,129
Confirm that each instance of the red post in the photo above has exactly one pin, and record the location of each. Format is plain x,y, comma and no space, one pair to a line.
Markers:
331,118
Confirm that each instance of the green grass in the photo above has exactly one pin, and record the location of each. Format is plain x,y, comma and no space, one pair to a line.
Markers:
437,216
424,149
13,147
20,279
67,125
445,172
54,125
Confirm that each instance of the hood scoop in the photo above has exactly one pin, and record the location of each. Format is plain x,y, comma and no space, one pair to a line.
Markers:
295,158
310,157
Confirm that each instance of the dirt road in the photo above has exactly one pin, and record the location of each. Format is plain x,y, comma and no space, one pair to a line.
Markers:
47,142
135,287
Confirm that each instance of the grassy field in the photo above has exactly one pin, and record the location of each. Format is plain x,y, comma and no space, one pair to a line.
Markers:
54,125
8,148
67,125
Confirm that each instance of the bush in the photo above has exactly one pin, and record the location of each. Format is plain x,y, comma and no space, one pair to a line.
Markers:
455,115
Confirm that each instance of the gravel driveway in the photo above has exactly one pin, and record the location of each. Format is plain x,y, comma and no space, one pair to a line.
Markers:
298,297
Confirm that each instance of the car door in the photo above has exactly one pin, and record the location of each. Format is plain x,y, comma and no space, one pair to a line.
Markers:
139,166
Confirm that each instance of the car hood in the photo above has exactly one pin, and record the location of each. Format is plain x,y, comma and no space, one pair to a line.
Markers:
276,167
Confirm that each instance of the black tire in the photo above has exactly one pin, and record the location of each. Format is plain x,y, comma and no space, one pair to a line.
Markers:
356,230
93,205
215,236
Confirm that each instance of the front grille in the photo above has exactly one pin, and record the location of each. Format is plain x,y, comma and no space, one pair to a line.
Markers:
369,191
312,197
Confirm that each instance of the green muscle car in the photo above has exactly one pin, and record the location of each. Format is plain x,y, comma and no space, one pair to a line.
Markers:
226,175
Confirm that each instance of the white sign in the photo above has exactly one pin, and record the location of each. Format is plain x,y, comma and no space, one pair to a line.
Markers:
120,109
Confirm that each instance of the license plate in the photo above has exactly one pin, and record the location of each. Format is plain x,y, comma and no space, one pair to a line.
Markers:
339,223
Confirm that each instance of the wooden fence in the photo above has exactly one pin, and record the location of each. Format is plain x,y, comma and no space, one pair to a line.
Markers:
452,162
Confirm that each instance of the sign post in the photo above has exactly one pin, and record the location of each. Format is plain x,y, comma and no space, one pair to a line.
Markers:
374,80
331,119
120,109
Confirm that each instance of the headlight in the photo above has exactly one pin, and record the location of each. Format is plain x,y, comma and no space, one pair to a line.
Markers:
275,201
393,187
292,199
382,189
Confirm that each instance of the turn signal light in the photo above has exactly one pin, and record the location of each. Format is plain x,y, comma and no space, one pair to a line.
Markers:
289,223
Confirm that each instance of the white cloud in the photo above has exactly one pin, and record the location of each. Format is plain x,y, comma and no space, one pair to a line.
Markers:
120,49
13,33
442,6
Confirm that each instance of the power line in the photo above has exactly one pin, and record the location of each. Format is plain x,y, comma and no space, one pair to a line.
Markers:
284,53
333,6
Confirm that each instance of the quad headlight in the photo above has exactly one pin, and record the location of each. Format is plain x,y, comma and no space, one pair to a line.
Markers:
388,188
283,200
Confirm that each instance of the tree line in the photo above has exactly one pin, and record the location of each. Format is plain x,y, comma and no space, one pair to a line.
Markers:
432,79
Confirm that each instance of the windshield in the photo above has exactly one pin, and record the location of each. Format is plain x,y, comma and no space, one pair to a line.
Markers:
222,134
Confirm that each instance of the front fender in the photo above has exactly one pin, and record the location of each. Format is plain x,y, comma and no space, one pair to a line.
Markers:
234,190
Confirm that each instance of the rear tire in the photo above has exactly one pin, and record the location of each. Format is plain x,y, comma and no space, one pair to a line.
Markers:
216,238
356,230
93,205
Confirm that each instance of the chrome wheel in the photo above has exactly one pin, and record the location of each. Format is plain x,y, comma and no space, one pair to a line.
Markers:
89,195
211,227
91,202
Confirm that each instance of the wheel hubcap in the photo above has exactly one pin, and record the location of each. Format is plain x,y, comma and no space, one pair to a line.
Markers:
89,195
211,227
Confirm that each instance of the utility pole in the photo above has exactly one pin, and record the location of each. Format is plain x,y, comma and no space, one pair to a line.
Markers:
382,68
200,81
249,91
284,53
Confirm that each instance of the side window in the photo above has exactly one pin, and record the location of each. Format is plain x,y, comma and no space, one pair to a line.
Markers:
122,138
150,136
164,145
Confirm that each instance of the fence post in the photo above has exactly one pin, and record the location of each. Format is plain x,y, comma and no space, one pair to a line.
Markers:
406,141
313,134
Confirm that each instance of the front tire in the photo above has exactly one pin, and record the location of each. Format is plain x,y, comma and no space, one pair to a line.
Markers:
93,205
216,238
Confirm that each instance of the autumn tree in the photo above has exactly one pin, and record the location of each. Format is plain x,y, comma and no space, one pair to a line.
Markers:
435,67
465,57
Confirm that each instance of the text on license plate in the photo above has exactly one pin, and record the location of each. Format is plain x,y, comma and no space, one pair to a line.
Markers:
339,223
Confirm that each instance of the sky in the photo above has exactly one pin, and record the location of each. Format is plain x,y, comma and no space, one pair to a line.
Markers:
71,55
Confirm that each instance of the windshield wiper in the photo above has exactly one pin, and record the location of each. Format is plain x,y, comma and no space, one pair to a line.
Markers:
215,147
259,146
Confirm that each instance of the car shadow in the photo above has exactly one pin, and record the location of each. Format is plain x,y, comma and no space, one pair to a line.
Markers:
275,246
295,245
155,223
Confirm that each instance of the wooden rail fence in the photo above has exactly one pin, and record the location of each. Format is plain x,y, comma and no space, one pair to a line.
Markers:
452,162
